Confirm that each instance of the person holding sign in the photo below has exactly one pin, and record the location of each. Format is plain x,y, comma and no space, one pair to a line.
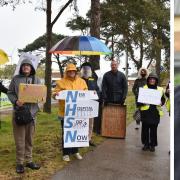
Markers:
139,82
23,134
114,85
150,115
86,74
70,82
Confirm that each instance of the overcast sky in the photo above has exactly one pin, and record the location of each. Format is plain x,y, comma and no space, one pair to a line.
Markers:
23,25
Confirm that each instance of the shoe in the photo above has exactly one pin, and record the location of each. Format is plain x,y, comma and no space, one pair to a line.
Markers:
92,144
152,148
66,158
33,166
145,148
78,156
137,126
19,168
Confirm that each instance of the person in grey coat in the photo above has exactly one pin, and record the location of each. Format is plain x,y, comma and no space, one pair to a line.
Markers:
139,82
23,135
114,85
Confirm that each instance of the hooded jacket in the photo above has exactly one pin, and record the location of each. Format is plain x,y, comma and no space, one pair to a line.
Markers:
67,83
21,78
152,115
139,82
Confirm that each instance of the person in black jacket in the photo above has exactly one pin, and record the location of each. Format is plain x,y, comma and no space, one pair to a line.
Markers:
3,88
139,82
150,116
114,85
91,81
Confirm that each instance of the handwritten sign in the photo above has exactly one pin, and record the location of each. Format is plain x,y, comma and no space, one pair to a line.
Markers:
32,93
76,120
77,95
149,96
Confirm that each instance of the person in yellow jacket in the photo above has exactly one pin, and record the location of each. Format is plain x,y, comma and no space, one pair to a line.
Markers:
150,116
71,81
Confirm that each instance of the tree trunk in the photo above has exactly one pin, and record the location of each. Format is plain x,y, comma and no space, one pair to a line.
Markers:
47,105
158,51
95,29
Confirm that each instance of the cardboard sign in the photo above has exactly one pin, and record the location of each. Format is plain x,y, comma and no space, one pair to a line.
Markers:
78,95
149,96
32,93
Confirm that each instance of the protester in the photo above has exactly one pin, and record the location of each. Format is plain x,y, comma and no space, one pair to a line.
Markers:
139,82
86,74
70,82
150,116
3,88
167,93
23,134
114,85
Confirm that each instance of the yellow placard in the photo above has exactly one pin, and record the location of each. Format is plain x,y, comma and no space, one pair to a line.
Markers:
32,93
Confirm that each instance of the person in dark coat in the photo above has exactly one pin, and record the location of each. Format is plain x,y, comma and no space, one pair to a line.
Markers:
3,88
176,133
150,116
91,81
114,85
139,82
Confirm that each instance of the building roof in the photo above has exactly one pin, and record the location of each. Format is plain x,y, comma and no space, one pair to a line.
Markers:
177,8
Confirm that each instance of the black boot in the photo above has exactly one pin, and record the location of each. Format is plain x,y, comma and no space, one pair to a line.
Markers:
19,168
92,144
152,148
33,166
145,148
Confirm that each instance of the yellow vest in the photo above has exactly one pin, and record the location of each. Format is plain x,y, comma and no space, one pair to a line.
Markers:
168,104
146,107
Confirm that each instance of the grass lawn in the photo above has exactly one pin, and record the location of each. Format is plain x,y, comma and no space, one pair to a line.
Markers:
47,150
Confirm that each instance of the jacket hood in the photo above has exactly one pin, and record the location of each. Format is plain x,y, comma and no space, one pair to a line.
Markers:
153,75
70,67
139,73
86,64
27,61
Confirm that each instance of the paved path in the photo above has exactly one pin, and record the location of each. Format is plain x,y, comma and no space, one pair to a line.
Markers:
118,159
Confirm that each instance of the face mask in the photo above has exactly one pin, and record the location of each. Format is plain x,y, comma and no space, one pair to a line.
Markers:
143,75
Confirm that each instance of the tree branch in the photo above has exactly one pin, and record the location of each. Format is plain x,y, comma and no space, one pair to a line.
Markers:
60,12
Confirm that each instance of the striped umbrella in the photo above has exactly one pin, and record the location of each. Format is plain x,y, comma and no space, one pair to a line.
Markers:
80,45
3,57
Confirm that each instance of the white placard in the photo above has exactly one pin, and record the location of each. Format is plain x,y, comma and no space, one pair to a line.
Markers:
82,109
75,95
149,96
76,131
32,58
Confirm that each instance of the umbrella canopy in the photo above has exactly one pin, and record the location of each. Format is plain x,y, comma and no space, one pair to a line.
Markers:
3,57
80,45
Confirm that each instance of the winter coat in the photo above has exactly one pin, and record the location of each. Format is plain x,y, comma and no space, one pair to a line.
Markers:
68,84
177,133
139,82
3,88
92,84
114,87
151,115
14,87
